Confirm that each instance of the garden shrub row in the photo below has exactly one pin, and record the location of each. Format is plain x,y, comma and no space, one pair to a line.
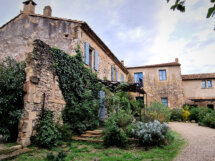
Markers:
202,115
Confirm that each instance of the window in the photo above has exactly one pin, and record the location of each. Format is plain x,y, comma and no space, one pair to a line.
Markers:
138,78
204,84
88,54
112,73
209,83
162,75
164,101
90,57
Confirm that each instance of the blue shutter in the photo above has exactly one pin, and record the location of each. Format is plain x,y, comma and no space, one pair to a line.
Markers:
112,73
122,78
96,60
87,48
102,104
116,75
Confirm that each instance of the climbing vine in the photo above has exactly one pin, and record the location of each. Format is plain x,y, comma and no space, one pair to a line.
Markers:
80,88
12,78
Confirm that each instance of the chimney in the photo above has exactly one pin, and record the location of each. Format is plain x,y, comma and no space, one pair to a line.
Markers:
29,6
122,62
176,60
47,11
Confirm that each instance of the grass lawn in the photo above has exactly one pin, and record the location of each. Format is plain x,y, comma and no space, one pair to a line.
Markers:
83,151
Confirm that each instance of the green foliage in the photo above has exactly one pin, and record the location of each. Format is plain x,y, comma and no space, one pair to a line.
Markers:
12,78
152,133
209,120
157,111
202,113
129,130
114,135
185,113
61,156
80,88
65,131
47,134
176,114
180,6
194,113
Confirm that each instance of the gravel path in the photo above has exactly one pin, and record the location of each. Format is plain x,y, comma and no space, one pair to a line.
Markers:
200,142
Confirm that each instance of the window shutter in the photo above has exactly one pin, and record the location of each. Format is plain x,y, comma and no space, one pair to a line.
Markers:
102,105
87,48
96,65
122,78
112,73
116,75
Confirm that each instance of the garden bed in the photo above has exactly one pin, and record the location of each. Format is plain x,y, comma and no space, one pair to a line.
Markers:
84,151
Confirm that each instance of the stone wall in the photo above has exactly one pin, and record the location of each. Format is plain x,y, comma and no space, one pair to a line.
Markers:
56,32
155,89
41,87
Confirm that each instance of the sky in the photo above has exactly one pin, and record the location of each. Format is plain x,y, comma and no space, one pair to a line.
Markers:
140,32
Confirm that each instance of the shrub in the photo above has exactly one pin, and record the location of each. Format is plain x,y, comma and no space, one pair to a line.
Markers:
129,130
12,78
202,113
80,88
185,113
209,120
47,135
113,134
152,133
65,131
176,115
158,111
194,114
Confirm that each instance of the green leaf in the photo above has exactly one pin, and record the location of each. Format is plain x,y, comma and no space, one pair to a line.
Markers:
211,12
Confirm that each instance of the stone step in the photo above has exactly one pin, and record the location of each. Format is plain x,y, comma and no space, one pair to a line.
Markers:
14,154
87,139
90,135
7,150
95,132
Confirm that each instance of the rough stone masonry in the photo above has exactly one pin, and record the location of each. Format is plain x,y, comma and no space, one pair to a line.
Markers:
41,87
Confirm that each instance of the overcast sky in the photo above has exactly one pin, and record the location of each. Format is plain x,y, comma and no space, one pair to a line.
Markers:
140,32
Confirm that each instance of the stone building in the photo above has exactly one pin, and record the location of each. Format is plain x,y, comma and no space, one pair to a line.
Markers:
62,33
199,89
29,36
17,39
161,82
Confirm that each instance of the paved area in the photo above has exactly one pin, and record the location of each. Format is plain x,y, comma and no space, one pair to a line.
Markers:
200,142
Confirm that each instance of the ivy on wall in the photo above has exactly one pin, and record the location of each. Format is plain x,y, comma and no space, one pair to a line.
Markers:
80,88
12,78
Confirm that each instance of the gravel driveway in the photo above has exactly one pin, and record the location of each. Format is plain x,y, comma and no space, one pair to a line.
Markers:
200,142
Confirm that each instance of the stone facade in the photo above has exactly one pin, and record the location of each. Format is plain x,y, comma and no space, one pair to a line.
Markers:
61,33
157,89
41,87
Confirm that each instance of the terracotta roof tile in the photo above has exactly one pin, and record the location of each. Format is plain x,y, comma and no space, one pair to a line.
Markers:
157,65
198,76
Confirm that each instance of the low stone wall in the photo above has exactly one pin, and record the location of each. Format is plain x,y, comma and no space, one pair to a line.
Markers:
41,87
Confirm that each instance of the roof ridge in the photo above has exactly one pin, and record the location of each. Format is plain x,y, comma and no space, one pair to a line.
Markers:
157,65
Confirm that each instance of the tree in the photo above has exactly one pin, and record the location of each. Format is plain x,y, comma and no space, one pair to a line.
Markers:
180,5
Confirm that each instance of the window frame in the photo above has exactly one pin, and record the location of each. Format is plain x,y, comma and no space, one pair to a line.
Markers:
211,84
162,76
139,78
166,102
